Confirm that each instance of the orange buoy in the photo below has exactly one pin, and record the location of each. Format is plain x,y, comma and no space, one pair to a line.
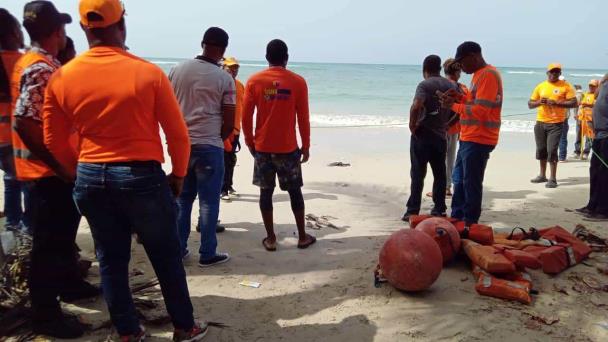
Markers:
410,260
445,235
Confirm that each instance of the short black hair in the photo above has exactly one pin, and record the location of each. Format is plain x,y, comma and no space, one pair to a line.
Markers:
101,33
276,52
432,64
215,36
8,24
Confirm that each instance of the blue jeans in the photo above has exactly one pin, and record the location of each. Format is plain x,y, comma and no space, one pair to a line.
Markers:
12,191
563,141
204,178
119,199
469,171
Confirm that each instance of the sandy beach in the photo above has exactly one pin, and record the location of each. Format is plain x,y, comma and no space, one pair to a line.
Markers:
326,293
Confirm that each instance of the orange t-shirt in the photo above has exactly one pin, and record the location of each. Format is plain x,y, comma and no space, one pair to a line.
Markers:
238,113
557,91
9,58
281,97
115,101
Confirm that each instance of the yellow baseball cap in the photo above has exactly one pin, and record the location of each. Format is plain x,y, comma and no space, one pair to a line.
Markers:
554,66
594,83
107,12
230,61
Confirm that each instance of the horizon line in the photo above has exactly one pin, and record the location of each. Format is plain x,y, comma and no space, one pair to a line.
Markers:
376,63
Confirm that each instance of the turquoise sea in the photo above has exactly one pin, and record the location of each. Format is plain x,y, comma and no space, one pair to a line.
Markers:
375,94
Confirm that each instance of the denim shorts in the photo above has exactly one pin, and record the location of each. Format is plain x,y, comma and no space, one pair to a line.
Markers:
286,166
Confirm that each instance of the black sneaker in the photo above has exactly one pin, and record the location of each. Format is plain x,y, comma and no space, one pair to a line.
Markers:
219,258
80,291
582,211
595,217
197,333
220,228
539,179
551,184
58,327
406,217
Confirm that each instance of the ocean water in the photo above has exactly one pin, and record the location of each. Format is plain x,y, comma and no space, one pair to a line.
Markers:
381,95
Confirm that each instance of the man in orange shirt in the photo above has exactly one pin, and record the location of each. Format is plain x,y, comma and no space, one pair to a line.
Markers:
552,97
11,40
281,99
55,219
232,144
116,102
479,113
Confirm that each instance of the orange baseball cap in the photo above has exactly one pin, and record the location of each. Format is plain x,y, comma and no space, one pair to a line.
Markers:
594,83
230,61
554,66
107,12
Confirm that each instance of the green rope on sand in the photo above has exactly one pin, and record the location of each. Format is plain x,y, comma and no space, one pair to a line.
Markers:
600,158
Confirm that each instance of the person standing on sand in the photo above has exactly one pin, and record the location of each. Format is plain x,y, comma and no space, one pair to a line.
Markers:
120,185
54,274
207,96
452,71
479,113
428,126
231,144
552,97
281,99
585,120
11,40
597,207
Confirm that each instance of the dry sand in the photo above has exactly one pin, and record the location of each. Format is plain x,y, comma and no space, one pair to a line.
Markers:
326,293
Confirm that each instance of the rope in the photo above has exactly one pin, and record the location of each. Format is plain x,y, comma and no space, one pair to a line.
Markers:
600,158
403,123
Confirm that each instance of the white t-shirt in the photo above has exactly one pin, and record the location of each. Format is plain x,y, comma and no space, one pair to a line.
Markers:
201,88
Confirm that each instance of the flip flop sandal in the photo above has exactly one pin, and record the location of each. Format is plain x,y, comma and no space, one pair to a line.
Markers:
271,247
308,243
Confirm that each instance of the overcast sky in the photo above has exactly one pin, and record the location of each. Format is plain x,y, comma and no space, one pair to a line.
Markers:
511,32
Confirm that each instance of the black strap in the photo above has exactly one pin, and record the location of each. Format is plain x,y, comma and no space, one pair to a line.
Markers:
510,237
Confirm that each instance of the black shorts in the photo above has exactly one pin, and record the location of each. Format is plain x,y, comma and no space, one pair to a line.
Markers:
286,166
547,136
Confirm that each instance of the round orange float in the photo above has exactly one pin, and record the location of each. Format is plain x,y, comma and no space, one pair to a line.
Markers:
445,235
410,260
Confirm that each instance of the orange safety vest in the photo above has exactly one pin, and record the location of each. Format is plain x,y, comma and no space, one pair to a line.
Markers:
9,58
585,115
27,165
480,123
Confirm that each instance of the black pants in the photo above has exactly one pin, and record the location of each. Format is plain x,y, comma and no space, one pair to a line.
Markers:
547,136
53,258
577,143
229,164
429,150
598,172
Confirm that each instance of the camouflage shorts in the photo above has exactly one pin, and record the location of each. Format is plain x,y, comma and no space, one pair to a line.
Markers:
286,166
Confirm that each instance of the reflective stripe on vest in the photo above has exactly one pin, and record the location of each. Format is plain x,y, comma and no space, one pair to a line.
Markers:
24,154
475,122
488,103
